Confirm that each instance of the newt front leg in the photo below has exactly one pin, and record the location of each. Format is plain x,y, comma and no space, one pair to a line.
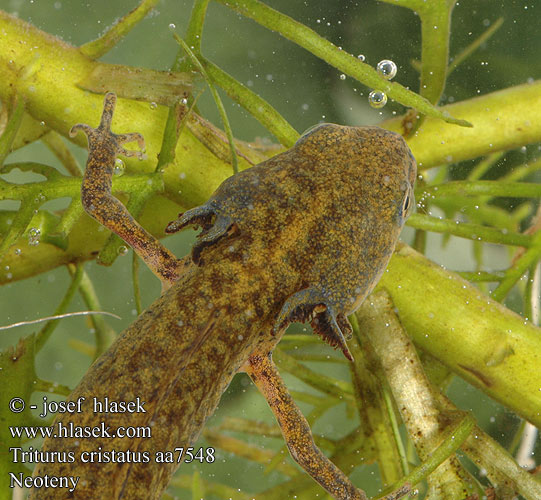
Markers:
96,197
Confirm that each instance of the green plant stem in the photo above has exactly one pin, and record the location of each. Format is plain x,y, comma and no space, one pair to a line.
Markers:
69,187
476,337
368,385
414,395
500,467
484,166
69,218
480,276
514,273
112,36
103,333
470,49
185,482
435,33
260,109
56,144
12,127
471,231
501,121
135,279
194,33
177,111
217,100
340,59
321,382
249,452
454,440
48,329
485,188
521,172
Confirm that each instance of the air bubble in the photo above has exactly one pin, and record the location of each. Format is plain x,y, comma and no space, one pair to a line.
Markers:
17,251
387,69
153,105
377,99
184,101
172,26
122,250
119,167
361,57
33,236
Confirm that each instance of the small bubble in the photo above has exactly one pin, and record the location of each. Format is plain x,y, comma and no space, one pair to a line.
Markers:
387,69
180,322
33,236
17,251
342,76
120,167
172,26
361,57
377,99
122,250
153,105
184,101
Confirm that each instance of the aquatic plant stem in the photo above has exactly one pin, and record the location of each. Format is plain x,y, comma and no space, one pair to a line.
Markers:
340,59
114,34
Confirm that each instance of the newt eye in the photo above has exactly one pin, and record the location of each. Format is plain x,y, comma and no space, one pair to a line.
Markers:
407,204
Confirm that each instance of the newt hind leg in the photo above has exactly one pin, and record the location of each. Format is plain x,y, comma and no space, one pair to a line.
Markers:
97,200
296,430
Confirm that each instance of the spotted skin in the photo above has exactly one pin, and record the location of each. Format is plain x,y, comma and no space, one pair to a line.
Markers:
303,236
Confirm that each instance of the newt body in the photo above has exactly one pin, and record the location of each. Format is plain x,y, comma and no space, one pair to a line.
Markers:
303,236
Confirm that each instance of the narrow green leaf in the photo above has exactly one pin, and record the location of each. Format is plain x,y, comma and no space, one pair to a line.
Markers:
6,140
340,59
217,100
112,36
141,84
